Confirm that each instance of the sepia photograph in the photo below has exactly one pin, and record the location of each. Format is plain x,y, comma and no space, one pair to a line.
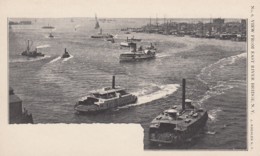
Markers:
129,77
183,80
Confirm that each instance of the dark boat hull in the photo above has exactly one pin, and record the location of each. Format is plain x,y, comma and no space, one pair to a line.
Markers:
183,136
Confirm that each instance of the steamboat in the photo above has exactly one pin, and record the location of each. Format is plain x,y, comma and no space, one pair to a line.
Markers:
30,53
104,99
140,54
178,123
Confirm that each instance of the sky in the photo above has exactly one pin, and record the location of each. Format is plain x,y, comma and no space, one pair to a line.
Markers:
125,8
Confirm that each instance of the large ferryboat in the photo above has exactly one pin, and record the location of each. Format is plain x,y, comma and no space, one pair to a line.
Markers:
177,124
104,99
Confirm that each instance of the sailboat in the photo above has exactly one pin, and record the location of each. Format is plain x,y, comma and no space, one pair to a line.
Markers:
97,24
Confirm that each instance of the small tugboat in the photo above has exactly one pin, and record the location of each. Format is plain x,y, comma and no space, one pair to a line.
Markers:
66,54
112,40
29,53
51,36
177,124
141,54
104,99
100,35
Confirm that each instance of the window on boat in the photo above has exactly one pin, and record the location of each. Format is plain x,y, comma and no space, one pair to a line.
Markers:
88,101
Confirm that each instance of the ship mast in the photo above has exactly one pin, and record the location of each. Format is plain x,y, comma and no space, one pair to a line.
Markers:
183,93
97,24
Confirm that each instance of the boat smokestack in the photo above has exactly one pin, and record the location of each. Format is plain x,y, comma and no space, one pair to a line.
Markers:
113,82
183,93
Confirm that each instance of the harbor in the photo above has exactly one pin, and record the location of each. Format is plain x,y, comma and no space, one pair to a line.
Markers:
51,85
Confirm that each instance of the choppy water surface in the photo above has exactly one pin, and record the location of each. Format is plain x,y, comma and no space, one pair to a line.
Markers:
50,86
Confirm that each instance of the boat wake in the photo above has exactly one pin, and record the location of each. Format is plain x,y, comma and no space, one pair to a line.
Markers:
43,46
206,72
211,132
20,60
213,114
161,55
66,59
148,95
54,60
216,87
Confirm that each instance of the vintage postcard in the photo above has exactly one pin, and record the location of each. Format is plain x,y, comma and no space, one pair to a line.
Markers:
129,78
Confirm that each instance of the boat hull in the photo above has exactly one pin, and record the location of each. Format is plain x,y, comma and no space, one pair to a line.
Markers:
106,104
32,54
136,57
157,138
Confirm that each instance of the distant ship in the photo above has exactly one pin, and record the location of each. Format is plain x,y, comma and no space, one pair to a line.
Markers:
30,53
127,43
135,39
112,40
104,99
17,114
66,54
97,23
140,54
101,35
177,124
51,36
48,27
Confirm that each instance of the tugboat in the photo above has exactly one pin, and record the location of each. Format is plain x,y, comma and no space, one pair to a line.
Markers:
177,124
51,36
104,99
29,53
141,54
112,40
66,54
17,114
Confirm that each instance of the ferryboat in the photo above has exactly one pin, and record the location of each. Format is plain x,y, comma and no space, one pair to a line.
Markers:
177,124
137,55
105,99
127,43
30,53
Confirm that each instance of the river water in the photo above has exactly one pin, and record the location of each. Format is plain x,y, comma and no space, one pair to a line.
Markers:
215,72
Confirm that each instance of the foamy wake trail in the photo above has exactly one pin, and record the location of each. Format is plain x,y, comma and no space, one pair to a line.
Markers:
144,97
66,59
43,46
28,59
213,114
219,89
54,60
205,73
162,55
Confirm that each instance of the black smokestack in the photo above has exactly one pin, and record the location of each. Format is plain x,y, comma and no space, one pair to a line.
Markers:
183,93
113,82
